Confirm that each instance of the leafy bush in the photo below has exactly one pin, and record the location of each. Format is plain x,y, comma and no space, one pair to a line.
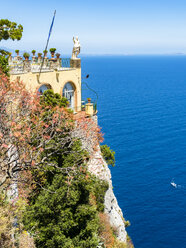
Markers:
49,98
4,64
108,154
65,201
62,214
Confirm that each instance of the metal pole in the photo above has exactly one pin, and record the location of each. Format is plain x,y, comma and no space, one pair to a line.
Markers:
50,31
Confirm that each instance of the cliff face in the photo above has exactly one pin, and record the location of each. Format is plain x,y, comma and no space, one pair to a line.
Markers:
98,166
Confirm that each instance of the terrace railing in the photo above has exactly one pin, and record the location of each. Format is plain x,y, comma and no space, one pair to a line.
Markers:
18,65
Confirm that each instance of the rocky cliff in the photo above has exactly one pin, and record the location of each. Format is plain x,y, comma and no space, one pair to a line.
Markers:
98,166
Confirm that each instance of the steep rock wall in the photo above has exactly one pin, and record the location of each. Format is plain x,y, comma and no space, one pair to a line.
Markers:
99,168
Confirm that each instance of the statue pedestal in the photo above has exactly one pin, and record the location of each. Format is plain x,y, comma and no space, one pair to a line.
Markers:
75,63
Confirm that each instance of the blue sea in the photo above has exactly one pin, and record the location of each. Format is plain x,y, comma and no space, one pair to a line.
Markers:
142,112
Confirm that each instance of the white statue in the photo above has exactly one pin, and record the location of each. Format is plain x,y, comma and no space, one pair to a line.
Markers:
76,48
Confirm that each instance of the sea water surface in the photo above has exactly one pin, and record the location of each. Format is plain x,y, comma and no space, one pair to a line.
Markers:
142,111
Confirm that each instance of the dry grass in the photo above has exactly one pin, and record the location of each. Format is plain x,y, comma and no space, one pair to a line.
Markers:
26,241
106,233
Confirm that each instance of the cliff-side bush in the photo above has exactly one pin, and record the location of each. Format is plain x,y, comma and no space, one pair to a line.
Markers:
108,154
62,213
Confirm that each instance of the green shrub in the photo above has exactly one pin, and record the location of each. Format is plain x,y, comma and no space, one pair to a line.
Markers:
49,98
64,205
4,64
108,155
62,215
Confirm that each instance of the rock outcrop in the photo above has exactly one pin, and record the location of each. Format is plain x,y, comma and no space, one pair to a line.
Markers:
99,167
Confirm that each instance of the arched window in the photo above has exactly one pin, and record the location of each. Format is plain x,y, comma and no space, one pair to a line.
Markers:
68,92
43,87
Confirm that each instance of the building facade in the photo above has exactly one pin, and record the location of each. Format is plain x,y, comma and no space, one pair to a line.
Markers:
61,75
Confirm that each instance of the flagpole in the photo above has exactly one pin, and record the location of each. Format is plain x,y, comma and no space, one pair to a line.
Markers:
50,31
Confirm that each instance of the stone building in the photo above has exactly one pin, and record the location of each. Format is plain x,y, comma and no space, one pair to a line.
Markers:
61,75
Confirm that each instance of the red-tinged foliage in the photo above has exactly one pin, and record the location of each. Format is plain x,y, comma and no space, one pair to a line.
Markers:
27,129
89,132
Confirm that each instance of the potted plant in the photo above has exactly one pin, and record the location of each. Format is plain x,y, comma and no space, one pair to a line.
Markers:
52,51
26,56
9,56
17,51
58,55
39,55
34,52
45,53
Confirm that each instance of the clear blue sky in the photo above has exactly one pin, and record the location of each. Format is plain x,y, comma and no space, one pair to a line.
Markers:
103,27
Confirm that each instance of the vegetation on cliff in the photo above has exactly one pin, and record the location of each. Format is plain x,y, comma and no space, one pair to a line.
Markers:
48,165
47,196
108,154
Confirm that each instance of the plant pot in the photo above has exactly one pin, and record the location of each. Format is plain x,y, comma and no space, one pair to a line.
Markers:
52,54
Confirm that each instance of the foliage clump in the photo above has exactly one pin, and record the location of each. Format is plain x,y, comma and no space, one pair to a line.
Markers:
8,30
4,62
49,98
63,213
108,154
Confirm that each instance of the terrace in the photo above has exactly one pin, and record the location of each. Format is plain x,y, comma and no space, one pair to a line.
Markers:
18,65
